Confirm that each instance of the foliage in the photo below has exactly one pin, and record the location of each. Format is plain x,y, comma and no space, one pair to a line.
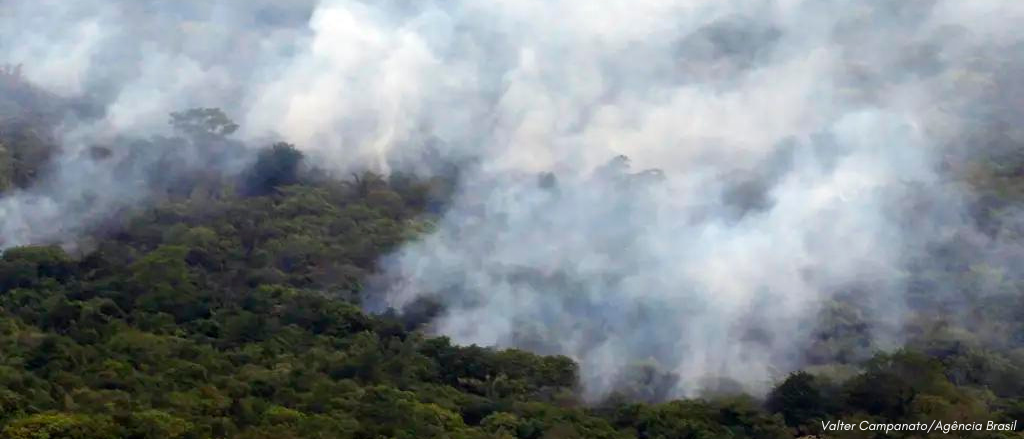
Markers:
236,313
203,123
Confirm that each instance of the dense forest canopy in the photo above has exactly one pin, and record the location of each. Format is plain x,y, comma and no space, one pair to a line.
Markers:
335,219
232,310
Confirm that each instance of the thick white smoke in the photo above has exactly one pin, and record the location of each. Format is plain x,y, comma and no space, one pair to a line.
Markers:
788,135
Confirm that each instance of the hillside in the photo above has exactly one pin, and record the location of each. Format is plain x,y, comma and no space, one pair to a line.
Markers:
237,315
528,219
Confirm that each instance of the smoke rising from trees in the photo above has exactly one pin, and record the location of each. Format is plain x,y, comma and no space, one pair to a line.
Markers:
783,156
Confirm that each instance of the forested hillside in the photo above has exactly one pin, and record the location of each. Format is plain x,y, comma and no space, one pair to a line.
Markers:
238,317
232,309
278,219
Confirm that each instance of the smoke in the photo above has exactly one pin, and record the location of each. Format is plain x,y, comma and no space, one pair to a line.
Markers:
793,151
795,144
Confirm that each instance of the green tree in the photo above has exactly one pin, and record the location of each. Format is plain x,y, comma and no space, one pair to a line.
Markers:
203,123
275,167
799,399
60,425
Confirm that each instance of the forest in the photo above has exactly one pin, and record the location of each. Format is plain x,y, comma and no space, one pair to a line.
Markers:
231,306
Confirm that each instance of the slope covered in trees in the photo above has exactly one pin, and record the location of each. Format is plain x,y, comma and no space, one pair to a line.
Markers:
232,306
232,310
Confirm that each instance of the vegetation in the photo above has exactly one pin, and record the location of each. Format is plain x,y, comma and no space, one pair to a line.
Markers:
232,310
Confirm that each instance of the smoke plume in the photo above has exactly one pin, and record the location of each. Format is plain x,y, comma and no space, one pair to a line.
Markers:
689,183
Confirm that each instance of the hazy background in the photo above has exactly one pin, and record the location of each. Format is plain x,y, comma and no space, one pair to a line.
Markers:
805,151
